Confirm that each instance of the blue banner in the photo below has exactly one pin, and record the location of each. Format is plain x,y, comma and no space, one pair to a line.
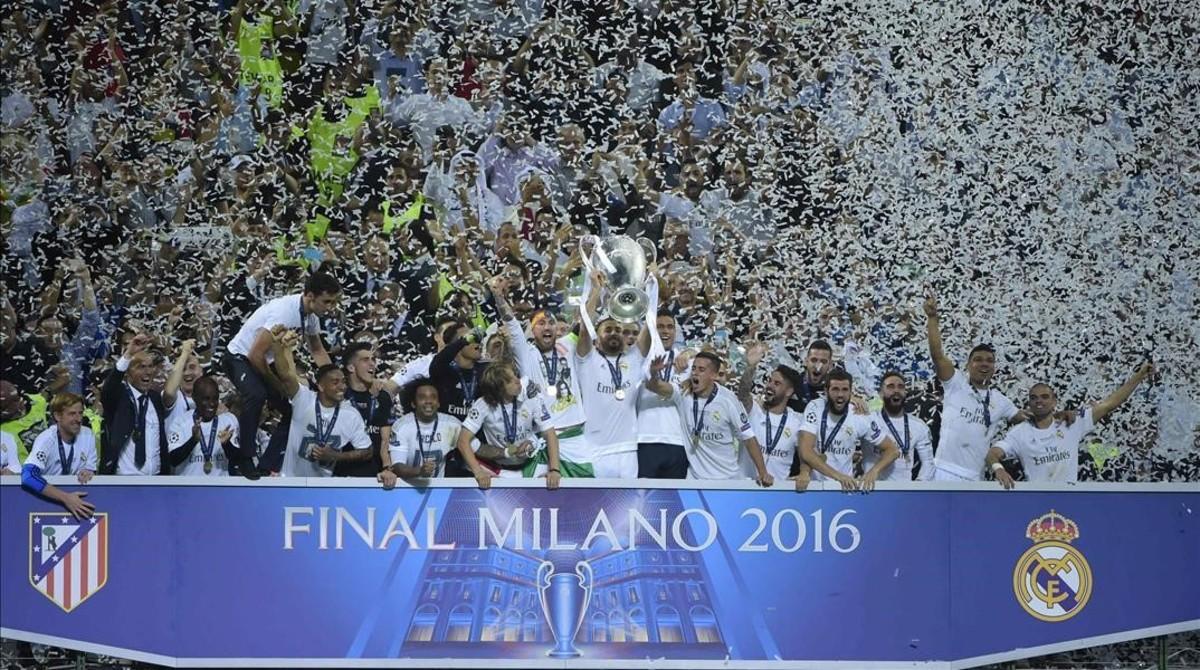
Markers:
189,574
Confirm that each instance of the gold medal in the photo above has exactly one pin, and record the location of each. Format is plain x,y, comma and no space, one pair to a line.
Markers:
619,394
208,467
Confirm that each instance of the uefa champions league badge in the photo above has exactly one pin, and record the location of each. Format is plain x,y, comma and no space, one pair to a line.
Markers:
1052,580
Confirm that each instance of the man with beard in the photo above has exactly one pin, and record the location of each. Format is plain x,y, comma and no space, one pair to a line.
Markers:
609,375
546,361
135,436
714,420
972,411
214,433
775,425
1047,447
325,429
909,432
817,363
831,433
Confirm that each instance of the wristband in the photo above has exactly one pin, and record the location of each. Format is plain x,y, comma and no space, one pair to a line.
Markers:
553,470
997,466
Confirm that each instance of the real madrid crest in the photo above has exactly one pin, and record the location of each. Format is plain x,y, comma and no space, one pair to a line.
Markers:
1052,580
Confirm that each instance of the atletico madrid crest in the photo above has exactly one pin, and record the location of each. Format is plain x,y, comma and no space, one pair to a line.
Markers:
68,557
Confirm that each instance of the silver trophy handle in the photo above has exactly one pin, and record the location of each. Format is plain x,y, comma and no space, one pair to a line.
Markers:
543,574
592,242
649,249
584,570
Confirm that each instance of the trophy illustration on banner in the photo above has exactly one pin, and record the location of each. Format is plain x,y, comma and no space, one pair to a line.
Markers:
624,262
564,598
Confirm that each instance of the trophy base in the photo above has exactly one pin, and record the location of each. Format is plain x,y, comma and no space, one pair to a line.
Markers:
561,653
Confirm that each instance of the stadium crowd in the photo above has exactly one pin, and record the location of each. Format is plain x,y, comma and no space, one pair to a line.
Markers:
343,237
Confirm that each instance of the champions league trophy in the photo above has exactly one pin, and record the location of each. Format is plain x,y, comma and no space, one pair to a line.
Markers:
623,261
564,597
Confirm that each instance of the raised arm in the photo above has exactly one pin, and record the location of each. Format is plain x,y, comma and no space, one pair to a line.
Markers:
171,389
941,363
583,346
499,286
655,381
745,388
283,345
1106,406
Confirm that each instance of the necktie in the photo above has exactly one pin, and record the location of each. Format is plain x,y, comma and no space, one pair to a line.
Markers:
139,432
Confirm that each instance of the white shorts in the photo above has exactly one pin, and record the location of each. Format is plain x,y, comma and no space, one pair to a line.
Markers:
623,465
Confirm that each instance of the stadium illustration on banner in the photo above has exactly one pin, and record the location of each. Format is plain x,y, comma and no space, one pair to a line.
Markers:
1053,580
68,557
599,575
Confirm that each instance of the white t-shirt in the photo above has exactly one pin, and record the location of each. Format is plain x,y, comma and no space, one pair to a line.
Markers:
8,453
964,438
612,426
180,413
44,452
302,435
723,425
180,432
858,430
127,461
285,311
413,370
779,459
920,441
530,418
437,438
658,419
565,405
1049,454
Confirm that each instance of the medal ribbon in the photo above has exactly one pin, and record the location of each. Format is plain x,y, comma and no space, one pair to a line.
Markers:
614,370
826,443
773,441
551,366
698,412
421,439
888,421
467,387
666,373
510,425
63,458
986,401
207,449
322,434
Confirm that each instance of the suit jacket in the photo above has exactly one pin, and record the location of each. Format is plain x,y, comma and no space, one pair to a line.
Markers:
120,415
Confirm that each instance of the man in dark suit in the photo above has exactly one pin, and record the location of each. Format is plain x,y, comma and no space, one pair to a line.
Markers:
135,436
